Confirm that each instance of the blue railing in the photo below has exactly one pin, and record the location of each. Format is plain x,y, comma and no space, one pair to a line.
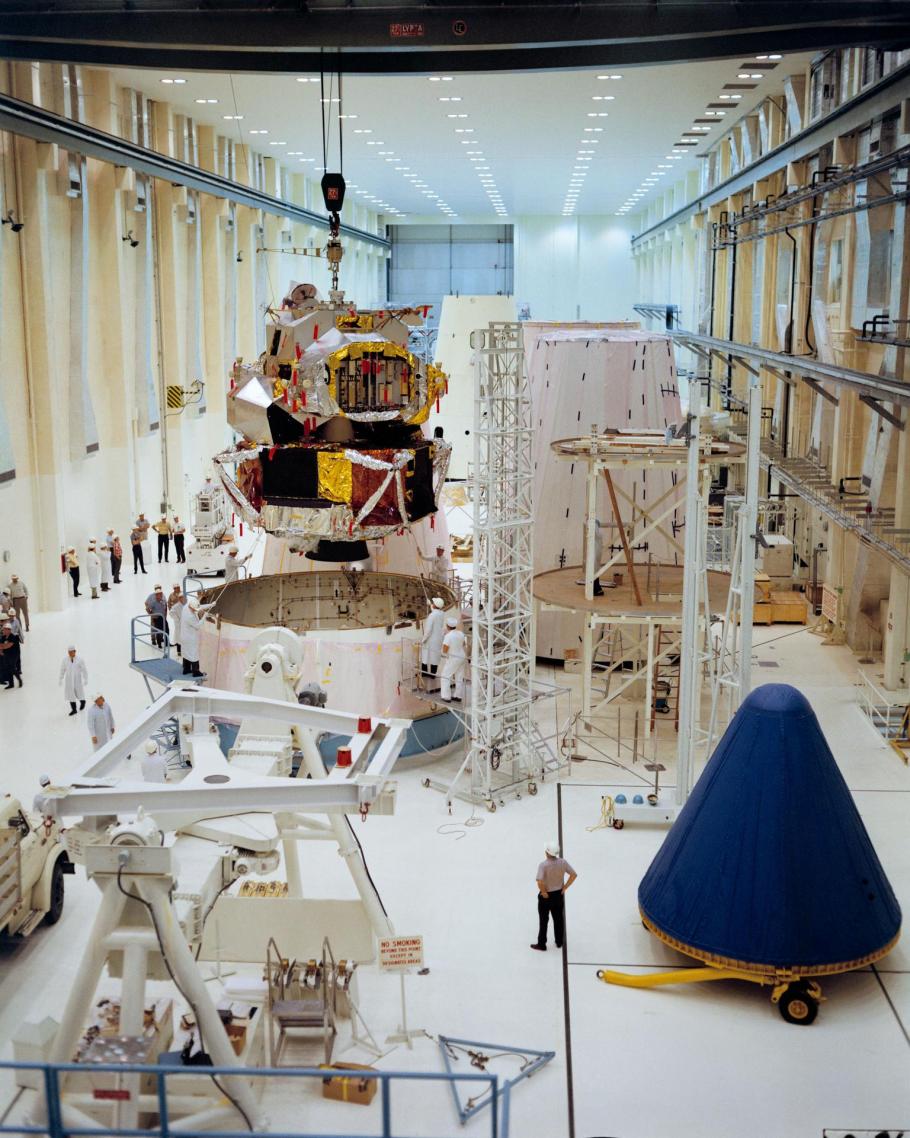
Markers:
142,632
54,1126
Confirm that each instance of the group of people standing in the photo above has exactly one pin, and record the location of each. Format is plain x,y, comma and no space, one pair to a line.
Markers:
176,620
102,562
13,611
165,531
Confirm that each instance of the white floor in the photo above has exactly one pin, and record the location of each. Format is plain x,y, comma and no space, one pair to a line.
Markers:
708,1060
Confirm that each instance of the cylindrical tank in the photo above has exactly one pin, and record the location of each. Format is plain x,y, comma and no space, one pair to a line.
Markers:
360,636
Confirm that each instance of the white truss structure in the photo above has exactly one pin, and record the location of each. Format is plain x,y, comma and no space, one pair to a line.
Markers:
506,748
733,669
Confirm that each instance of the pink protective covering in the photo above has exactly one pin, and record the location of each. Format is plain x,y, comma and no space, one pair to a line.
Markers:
580,376
366,677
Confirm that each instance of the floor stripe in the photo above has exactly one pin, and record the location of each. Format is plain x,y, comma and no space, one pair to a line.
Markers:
565,987
887,995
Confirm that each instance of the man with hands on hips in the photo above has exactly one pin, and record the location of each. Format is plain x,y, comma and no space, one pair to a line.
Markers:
551,891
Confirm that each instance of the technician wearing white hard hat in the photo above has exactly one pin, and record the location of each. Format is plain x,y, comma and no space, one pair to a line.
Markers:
190,620
232,564
154,764
74,677
551,890
453,662
93,568
434,629
100,722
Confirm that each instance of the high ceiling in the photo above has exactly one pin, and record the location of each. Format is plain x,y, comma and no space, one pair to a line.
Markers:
485,146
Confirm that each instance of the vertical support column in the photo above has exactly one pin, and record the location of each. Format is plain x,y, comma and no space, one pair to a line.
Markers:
591,530
688,662
896,637
32,166
749,522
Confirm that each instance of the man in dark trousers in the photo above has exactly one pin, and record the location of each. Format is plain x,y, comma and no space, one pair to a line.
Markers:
156,607
136,537
551,891
179,537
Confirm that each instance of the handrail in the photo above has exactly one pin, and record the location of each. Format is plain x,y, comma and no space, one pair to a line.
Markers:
144,620
54,1126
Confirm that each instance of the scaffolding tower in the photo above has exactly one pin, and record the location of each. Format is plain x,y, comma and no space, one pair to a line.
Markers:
506,748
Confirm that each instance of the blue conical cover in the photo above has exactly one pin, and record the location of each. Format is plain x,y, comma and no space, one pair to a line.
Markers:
769,864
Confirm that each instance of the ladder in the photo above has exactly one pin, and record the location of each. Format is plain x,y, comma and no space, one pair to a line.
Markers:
665,677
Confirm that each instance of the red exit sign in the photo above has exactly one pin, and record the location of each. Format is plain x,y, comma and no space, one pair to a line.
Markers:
407,31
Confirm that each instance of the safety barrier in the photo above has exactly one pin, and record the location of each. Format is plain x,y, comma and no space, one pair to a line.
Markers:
883,709
54,1126
143,633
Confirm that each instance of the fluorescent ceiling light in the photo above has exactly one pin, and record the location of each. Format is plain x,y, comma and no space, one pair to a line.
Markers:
206,100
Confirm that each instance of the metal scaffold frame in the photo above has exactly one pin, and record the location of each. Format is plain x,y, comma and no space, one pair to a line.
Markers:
689,638
506,747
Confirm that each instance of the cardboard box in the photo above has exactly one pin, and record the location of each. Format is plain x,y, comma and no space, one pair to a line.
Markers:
348,1088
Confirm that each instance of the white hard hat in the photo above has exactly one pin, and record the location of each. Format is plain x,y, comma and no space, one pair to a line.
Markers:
451,622
552,848
151,747
438,603
233,549
71,648
193,602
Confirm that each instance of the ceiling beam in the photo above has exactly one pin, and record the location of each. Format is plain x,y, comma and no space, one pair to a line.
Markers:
34,122
292,35
848,117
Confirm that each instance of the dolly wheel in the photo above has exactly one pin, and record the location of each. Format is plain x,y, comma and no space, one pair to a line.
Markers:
797,1006
426,783
618,823
491,806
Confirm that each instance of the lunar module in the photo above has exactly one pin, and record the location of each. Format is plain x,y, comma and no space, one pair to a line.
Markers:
331,416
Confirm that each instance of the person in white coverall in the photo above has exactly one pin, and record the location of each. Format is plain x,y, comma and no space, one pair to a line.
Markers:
434,629
232,564
74,677
100,722
453,662
93,569
153,763
104,554
190,620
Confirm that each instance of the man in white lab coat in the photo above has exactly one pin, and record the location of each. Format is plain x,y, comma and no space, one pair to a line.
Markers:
190,621
93,568
232,564
74,677
453,662
100,722
153,763
104,554
434,629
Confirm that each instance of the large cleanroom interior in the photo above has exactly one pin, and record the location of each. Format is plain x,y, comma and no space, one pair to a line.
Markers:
507,406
